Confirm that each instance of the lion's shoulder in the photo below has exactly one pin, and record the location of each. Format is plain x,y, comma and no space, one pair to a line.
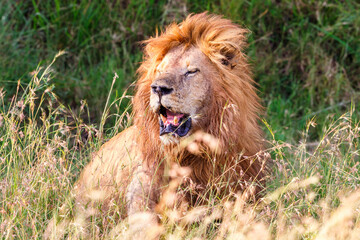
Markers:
114,160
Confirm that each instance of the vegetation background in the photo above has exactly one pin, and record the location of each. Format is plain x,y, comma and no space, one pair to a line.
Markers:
305,57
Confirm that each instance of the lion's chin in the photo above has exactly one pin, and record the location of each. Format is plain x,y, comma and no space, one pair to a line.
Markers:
169,139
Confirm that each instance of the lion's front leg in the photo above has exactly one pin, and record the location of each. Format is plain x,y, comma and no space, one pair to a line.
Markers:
143,191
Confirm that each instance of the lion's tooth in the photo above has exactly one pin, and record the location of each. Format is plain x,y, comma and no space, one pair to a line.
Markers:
176,120
163,118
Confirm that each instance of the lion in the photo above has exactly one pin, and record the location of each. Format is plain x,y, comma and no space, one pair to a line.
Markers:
194,78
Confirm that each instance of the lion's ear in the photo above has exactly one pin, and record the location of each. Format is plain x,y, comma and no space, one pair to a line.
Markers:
228,58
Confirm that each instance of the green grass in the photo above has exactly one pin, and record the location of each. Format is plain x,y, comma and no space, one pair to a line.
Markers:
100,39
305,57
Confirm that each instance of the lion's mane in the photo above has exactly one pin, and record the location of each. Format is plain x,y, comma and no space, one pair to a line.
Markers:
235,107
130,167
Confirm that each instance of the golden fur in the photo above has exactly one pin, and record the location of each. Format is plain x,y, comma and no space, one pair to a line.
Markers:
129,168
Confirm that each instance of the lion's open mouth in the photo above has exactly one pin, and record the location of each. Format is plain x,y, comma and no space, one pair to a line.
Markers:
176,123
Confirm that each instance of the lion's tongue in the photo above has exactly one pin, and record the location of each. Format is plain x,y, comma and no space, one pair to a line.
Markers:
173,118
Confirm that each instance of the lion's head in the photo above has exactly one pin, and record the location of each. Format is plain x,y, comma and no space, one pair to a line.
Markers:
195,76
181,92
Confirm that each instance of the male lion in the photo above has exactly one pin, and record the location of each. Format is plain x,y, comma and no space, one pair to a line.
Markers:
194,77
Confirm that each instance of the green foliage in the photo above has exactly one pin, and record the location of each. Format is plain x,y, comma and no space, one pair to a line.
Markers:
305,55
100,38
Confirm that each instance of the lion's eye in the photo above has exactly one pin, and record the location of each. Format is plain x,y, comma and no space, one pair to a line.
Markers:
191,72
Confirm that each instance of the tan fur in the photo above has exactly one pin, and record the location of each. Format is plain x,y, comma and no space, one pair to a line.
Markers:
220,97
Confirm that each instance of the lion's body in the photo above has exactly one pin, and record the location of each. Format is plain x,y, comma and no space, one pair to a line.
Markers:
194,73
111,167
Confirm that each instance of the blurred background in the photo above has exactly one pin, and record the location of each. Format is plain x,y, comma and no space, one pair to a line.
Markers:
305,54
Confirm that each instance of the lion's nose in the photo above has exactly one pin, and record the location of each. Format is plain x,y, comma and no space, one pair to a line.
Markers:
161,90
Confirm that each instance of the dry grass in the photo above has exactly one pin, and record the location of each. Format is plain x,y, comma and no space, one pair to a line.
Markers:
312,191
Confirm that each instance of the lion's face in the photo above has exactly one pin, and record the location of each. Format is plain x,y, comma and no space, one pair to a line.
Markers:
181,91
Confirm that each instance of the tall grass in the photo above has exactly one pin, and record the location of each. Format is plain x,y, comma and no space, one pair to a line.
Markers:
43,147
312,190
